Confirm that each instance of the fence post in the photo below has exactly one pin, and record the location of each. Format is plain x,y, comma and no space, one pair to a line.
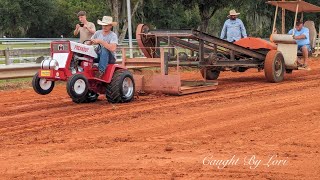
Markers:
7,56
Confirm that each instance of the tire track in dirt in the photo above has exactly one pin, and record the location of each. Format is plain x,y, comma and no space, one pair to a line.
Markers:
34,118
240,117
55,110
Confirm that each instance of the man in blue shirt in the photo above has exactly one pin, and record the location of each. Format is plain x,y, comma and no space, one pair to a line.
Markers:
233,28
301,35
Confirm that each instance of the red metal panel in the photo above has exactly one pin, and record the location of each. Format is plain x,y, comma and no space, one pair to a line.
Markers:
256,43
54,75
110,71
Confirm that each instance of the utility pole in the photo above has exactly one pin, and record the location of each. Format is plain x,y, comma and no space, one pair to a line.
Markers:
283,29
129,27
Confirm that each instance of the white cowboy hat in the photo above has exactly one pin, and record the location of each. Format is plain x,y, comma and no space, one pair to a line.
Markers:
233,13
107,20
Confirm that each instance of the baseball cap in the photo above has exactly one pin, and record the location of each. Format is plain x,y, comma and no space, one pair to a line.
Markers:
81,13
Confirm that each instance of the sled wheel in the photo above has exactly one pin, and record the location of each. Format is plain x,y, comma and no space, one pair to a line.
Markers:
274,66
242,69
91,97
77,88
121,88
289,71
211,74
42,86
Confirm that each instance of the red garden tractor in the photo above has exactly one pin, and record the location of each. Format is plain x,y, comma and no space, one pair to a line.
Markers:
74,62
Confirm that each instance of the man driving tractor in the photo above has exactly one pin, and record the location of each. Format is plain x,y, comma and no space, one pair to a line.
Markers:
108,41
301,35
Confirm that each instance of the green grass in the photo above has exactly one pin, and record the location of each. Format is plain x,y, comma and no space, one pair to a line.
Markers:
14,61
11,84
15,80
23,46
20,83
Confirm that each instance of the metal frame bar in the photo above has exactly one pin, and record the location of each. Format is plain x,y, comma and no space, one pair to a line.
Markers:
184,44
295,19
283,21
275,20
228,45
165,82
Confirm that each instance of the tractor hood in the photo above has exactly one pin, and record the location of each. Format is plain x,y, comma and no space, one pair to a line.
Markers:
83,49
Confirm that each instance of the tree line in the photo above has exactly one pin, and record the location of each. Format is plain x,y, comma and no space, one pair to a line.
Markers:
43,18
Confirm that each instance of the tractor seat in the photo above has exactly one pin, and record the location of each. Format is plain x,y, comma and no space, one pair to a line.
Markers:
312,33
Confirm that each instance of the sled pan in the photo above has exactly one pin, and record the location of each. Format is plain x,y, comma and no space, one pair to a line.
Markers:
158,79
171,84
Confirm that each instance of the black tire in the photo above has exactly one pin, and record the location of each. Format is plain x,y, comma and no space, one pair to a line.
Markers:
274,66
78,88
289,71
41,86
91,97
242,69
211,74
115,92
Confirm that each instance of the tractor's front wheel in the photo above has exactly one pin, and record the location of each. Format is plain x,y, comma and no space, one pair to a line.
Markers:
42,86
121,88
274,66
78,88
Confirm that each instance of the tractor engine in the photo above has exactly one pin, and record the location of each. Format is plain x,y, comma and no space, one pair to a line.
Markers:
82,55
71,55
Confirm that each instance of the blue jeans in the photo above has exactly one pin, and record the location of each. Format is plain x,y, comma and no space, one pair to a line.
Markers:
105,57
307,45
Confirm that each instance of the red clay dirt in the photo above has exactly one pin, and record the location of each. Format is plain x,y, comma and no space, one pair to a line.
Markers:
168,137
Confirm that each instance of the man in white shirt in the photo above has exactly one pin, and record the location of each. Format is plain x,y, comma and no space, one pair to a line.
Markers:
85,28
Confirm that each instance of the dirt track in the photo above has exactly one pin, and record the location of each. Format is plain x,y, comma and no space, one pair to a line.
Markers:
164,137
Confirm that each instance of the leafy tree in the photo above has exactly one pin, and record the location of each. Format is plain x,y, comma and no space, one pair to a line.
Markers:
65,18
206,9
168,15
119,12
19,17
43,18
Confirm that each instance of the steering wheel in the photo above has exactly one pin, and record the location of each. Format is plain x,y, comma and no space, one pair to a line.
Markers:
88,40
97,47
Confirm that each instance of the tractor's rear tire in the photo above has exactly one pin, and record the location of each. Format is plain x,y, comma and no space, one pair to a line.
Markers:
42,86
211,74
78,88
274,66
121,88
